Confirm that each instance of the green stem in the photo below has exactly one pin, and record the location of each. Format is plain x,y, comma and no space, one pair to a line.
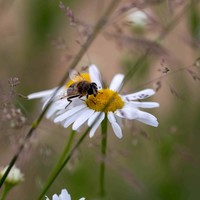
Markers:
61,159
103,155
66,150
5,191
4,194
66,159
62,165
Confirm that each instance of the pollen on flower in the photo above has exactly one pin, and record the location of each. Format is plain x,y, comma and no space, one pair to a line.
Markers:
106,100
85,76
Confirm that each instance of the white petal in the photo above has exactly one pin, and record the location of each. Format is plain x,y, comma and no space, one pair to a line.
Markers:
55,197
68,113
95,76
83,198
111,117
41,94
55,107
64,195
46,101
64,103
51,111
143,94
134,113
127,112
147,119
61,104
97,123
116,82
47,198
144,104
56,98
72,118
92,118
115,126
82,119
117,130
119,120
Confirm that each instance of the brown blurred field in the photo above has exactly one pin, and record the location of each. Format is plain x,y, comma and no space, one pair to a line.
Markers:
37,45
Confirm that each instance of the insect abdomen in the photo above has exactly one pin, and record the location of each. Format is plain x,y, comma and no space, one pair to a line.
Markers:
83,87
72,89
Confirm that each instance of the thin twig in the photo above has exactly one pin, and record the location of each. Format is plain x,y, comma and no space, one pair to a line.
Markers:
166,75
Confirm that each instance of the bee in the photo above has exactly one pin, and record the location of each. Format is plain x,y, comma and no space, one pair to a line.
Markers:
79,88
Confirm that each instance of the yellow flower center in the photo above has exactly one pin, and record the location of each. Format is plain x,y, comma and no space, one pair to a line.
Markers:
106,100
84,76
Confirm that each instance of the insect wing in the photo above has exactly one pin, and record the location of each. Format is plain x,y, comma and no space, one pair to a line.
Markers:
75,76
61,96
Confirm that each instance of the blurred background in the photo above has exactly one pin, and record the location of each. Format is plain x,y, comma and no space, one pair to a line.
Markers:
38,43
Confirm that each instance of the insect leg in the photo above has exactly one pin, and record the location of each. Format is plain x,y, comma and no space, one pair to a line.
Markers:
90,99
81,97
70,99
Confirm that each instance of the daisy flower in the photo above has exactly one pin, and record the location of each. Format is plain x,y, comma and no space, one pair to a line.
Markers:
108,103
14,177
64,195
138,18
59,103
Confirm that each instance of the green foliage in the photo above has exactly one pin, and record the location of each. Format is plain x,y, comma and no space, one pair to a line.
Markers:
194,20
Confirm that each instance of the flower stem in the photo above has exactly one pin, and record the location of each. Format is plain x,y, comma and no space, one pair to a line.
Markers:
60,161
103,156
62,165
65,152
5,191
